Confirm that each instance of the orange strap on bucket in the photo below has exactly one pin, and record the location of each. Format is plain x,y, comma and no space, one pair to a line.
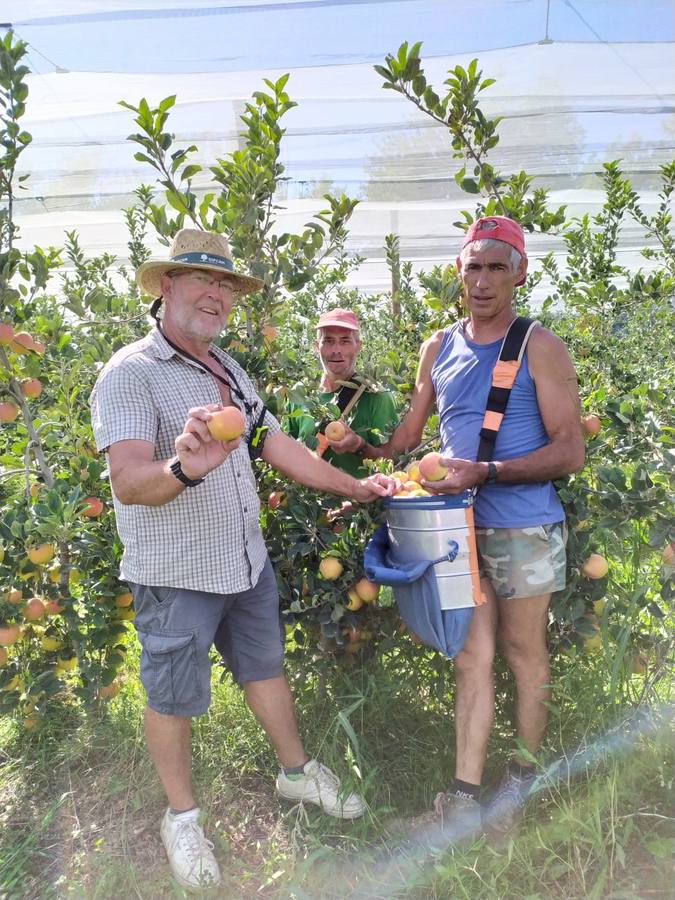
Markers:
503,377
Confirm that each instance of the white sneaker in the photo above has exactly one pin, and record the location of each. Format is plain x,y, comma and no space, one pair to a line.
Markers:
190,854
321,786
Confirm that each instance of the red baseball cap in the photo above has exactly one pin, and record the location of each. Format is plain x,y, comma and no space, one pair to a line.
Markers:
498,228
338,318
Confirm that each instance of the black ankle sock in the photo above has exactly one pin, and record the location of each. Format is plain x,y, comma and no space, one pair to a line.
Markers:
465,789
178,812
520,771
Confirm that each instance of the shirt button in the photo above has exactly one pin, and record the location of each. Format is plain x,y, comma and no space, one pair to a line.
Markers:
246,509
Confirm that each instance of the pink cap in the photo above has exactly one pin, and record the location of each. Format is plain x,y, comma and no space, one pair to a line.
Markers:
338,318
497,228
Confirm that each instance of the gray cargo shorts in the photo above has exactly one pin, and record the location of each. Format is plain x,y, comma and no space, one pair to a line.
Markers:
177,628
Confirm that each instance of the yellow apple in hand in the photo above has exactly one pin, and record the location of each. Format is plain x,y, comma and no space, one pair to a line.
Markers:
431,468
226,424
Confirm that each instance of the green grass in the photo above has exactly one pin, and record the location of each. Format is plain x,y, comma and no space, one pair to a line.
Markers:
81,804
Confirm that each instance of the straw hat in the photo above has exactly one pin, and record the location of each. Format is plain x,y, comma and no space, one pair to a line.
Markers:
195,249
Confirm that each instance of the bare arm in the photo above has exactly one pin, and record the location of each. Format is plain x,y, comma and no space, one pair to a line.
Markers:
558,398
409,433
138,478
301,465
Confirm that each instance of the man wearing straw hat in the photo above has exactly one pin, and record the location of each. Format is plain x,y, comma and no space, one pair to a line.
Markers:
370,413
187,514
520,522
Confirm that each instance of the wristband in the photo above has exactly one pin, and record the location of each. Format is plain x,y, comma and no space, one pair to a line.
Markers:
491,473
177,470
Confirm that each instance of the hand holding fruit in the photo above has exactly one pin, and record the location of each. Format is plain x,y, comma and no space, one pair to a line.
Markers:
374,487
341,438
210,434
445,475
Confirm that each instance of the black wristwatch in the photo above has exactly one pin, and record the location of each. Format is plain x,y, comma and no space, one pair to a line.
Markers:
492,473
177,470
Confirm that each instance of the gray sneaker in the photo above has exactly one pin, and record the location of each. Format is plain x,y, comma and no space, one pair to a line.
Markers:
504,812
460,816
455,819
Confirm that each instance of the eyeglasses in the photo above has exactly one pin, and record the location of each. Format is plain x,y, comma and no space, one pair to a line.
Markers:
205,282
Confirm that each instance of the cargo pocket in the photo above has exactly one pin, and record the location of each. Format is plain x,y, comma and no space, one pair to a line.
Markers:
169,671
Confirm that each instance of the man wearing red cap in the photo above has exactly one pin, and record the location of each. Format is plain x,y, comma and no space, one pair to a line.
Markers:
371,417
520,522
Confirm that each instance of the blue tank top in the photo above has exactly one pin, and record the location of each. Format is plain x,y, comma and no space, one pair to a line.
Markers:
461,376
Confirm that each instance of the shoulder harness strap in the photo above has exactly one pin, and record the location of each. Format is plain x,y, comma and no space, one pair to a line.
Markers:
503,377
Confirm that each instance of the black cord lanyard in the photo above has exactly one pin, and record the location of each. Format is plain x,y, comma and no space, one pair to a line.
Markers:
256,439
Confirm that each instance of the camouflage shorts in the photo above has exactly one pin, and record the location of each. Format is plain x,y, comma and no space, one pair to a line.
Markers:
523,562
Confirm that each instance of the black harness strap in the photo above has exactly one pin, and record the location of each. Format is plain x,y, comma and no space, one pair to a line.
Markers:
344,395
503,377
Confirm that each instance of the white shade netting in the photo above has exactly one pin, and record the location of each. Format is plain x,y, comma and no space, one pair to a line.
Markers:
576,84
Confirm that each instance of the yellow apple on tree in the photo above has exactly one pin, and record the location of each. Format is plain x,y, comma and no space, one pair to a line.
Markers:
277,499
31,388
596,566
367,590
34,609
355,601
93,507
8,412
22,343
330,568
41,554
14,596
52,607
591,425
50,643
9,634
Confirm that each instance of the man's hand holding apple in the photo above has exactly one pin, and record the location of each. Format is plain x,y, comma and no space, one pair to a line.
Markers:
447,475
197,448
374,487
350,442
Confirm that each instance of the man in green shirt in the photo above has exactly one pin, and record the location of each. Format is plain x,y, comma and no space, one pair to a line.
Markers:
370,420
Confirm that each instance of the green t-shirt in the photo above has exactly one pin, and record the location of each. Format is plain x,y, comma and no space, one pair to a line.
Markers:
373,418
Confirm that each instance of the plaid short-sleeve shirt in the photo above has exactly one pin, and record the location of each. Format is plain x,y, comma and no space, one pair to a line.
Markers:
208,538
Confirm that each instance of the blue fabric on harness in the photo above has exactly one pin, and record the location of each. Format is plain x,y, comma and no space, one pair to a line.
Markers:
416,594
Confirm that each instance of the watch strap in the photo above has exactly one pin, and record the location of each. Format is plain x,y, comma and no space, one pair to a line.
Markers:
177,470
491,473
